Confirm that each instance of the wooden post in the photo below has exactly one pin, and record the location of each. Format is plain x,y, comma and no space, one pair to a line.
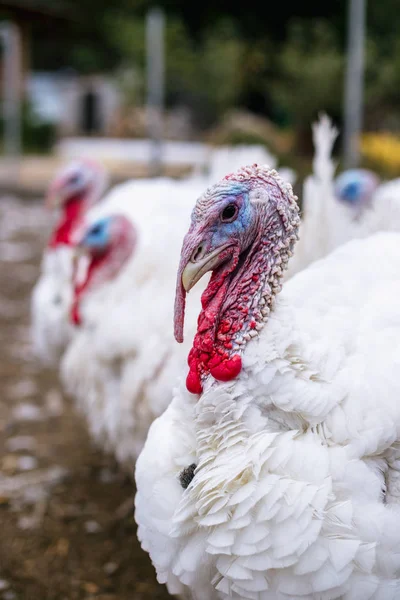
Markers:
155,85
25,31
354,83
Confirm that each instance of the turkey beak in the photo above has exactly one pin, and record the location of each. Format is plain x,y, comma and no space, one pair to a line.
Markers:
199,265
193,265
80,250
53,199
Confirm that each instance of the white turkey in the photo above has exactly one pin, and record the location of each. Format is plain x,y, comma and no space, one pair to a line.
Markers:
364,205
74,190
123,360
355,204
278,477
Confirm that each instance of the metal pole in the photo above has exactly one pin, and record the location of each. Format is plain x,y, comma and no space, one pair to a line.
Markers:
155,85
354,82
10,37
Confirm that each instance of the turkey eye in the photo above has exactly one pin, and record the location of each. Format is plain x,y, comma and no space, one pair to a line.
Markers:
75,179
96,230
229,213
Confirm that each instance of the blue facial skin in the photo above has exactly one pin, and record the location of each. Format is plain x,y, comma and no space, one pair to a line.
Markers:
98,236
351,192
223,232
351,186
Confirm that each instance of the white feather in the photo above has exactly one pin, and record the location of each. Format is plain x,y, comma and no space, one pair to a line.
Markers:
328,223
297,510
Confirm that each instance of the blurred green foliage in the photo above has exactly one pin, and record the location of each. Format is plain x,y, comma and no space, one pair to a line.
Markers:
205,74
286,62
310,72
38,136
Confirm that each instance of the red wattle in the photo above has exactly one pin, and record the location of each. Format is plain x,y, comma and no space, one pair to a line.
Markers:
75,314
227,369
213,340
193,383
71,214
211,352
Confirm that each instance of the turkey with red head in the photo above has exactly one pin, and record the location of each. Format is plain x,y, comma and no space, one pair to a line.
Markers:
74,190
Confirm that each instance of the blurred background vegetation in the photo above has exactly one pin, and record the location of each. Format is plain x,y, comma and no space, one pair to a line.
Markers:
282,65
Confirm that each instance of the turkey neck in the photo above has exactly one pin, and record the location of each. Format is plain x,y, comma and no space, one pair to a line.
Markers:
72,212
103,267
236,305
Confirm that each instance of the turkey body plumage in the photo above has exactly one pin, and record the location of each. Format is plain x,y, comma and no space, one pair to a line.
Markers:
296,490
123,360
50,304
328,222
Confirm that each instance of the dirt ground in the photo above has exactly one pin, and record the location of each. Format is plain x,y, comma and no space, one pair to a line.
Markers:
63,531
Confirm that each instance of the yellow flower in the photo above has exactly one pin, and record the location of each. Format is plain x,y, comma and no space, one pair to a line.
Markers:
382,150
